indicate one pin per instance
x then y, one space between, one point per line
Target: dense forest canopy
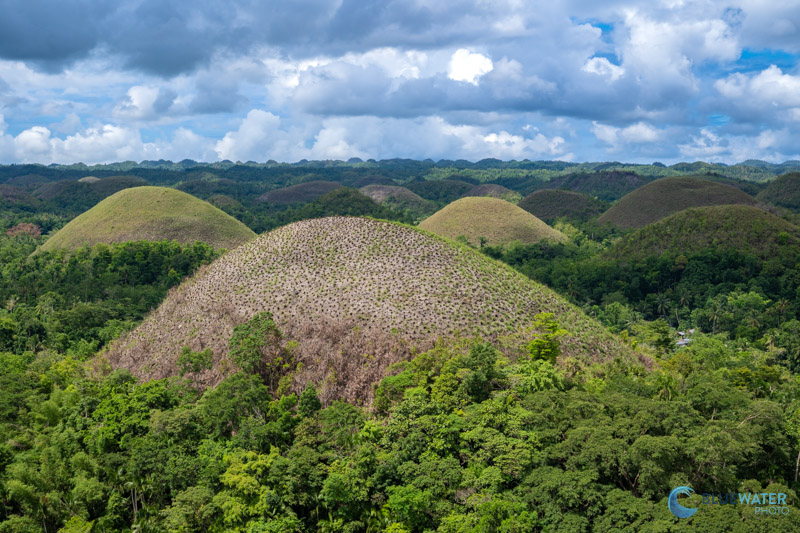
459 438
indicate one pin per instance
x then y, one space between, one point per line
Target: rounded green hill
783 191
498 221
693 230
356 295
661 198
151 213
551 204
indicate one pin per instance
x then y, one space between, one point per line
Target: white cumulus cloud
603 67
468 66
770 86
639 133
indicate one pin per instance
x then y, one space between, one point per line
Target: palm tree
717 308
662 304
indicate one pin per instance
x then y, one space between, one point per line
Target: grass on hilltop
151 213
663 197
497 221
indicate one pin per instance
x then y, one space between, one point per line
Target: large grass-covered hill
741 227
356 295
151 213
551 204
663 197
496 220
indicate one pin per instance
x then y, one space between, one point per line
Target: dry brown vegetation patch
357 295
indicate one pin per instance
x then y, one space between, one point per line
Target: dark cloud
167 37
50 34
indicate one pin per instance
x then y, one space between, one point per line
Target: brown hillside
663 197
357 295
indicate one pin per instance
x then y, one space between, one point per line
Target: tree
193 362
309 403
256 347
546 345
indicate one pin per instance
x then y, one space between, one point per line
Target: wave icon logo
677 509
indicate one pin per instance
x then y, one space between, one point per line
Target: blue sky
663 80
